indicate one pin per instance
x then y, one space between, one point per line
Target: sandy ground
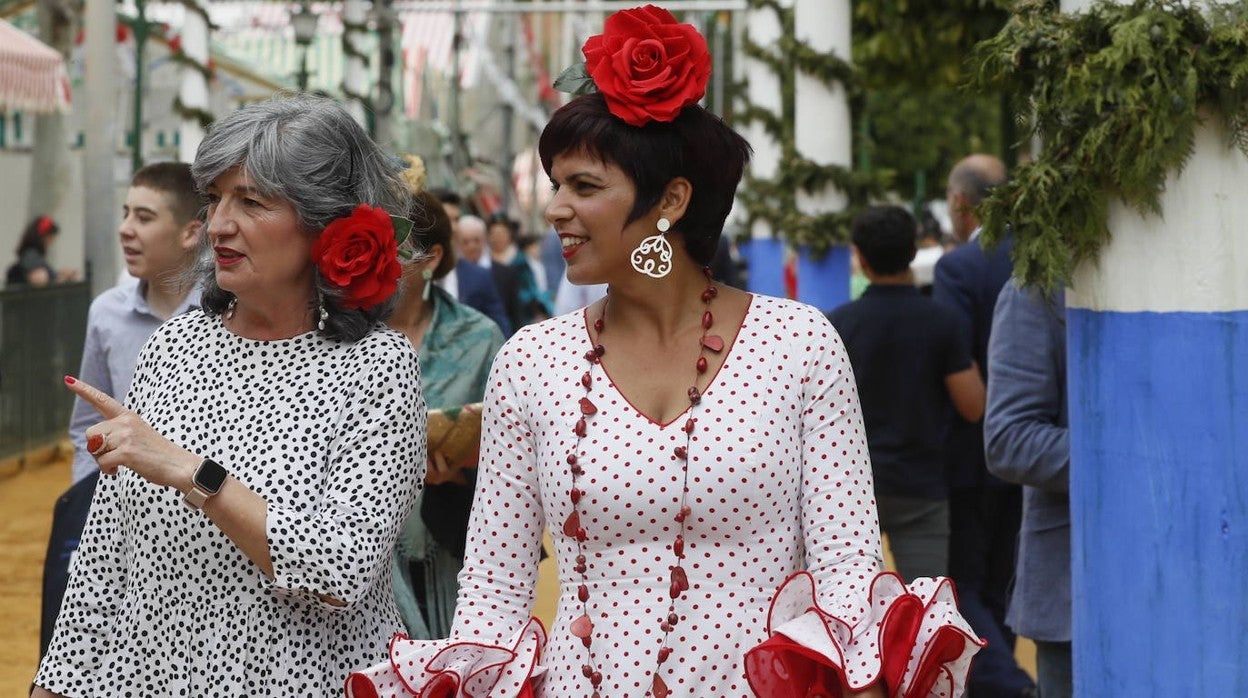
27 495
26 498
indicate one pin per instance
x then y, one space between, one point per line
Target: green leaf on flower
575 80
402 228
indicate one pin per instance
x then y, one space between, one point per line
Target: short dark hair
886 238
174 180
696 145
431 226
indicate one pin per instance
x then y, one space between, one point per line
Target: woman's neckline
710 385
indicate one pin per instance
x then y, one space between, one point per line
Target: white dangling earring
320 323
229 309
653 257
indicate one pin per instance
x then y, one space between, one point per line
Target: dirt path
26 499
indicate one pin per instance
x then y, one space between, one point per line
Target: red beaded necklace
583 626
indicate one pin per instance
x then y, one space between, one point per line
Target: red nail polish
69 380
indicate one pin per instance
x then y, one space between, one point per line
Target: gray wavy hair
309 151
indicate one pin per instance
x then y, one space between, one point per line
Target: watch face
210 476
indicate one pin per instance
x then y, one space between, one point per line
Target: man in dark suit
470 247
468 282
984 511
476 288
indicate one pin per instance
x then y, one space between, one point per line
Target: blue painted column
1158 370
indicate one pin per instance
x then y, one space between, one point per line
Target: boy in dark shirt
912 362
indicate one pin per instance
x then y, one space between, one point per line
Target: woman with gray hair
271 443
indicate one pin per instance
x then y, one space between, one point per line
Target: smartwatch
208 479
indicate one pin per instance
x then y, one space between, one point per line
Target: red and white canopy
32 74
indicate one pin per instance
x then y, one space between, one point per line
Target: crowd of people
321 437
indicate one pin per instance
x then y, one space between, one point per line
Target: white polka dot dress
779 480
331 435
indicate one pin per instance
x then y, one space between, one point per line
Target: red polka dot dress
779 481
778 471
162 603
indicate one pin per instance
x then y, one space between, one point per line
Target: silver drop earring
324 314
229 309
653 256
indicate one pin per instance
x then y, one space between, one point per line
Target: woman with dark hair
456 345
271 445
695 452
32 267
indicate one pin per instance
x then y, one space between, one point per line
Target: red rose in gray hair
358 254
648 65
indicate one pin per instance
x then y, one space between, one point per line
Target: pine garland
1116 95
774 200
203 116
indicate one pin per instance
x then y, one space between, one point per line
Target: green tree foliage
1117 94
912 58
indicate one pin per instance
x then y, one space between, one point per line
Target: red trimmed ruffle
911 638
454 668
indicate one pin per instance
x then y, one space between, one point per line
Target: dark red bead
575 495
599 350
695 396
596 679
571 524
674 590
587 670
591 357
701 365
587 380
665 627
690 424
588 407
680 452
571 459
673 619
587 640
579 429
599 324
679 546
707 320
679 578
582 593
581 535
664 653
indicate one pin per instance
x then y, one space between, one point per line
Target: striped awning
32 74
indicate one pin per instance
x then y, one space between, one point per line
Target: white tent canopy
32 74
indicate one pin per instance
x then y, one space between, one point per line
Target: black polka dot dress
332 436
779 478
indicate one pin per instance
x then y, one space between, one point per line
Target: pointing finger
102 402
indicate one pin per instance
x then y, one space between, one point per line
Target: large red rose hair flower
648 65
359 254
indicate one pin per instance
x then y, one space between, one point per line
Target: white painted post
1157 331
355 74
193 90
100 149
763 252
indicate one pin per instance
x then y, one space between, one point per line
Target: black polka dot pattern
779 476
332 436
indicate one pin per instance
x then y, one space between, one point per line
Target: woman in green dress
456 345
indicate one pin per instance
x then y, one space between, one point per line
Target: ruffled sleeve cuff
452 668
911 638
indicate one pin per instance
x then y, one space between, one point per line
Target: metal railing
41 336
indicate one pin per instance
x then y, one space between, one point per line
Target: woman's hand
125 439
439 472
